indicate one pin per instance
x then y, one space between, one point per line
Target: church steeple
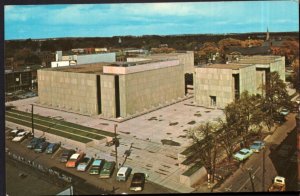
268 35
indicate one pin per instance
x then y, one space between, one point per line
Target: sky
106 20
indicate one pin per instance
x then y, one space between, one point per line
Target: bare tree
205 145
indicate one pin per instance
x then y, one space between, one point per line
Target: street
275 164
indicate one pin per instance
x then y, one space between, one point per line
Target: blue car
257 146
243 154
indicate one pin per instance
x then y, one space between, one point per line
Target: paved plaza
142 136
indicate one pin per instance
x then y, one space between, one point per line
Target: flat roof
258 59
75 156
226 66
96 68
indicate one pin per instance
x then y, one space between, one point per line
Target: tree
205 145
276 98
227 138
242 118
296 74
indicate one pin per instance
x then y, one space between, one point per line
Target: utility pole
116 143
32 125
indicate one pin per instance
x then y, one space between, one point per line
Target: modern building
81 59
217 85
112 90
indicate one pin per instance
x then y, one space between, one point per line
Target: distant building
217 85
112 89
76 59
18 80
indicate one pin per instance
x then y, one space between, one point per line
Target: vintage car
243 154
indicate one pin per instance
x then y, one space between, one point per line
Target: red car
75 159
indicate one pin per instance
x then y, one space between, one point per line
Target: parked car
85 163
298 100
257 146
284 111
285 150
107 170
34 142
41 147
137 182
243 154
75 159
96 166
66 154
20 136
52 147
123 173
13 133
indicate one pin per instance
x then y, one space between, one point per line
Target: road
106 184
240 181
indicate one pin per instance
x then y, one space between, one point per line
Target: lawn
57 127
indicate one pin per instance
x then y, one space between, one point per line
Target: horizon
209 34
141 19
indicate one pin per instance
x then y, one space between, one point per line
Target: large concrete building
217 85
112 90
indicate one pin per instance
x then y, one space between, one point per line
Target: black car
66 154
137 182
52 147
41 147
34 142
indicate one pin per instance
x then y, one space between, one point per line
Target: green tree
243 115
276 97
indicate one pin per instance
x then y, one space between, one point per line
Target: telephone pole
32 125
116 145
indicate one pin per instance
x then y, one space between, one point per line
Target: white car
284 112
20 137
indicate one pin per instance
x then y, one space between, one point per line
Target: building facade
217 85
112 90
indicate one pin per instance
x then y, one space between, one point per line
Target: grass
52 131
57 127
193 169
64 123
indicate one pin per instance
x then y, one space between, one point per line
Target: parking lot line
55 153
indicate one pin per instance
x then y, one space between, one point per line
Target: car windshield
243 152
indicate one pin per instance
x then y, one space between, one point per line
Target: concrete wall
108 100
279 66
95 58
145 90
248 79
75 92
260 81
213 82
199 175
187 59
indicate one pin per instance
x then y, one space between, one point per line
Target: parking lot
144 134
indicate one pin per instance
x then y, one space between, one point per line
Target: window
213 101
